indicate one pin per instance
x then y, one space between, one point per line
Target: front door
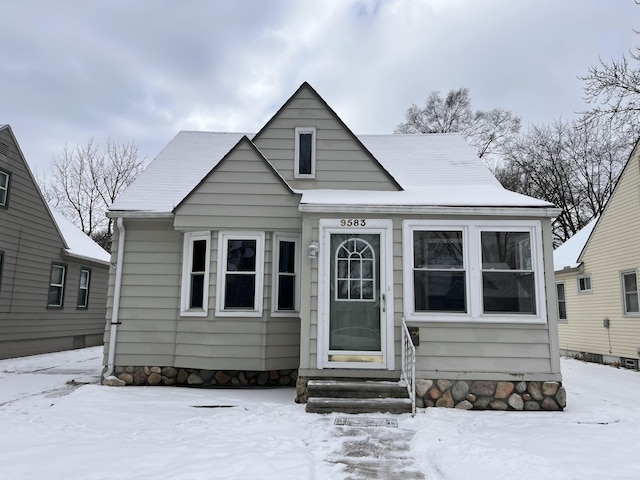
355 321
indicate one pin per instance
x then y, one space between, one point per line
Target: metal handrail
409 365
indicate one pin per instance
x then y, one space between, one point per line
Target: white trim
384 228
625 313
223 236
538 212
586 290
296 164
296 239
185 288
472 255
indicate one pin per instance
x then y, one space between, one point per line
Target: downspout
116 301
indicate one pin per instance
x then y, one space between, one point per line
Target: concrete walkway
374 448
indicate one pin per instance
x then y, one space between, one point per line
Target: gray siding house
306 254
53 278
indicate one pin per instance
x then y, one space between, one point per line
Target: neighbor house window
439 271
305 152
508 282
83 289
630 293
195 274
584 284
56 285
562 302
473 271
240 274
5 180
286 278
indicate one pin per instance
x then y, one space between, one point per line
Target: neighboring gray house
53 277
297 254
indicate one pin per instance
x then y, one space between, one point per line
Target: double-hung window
240 274
56 285
473 271
439 276
83 289
305 152
562 301
194 299
5 181
286 277
630 293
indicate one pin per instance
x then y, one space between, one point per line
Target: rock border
144 375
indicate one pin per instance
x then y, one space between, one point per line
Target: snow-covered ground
56 422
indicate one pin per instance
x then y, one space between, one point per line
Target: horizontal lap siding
31 242
150 293
612 248
341 163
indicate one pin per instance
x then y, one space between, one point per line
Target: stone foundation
136 375
490 395
479 394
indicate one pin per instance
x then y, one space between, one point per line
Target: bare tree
488 132
574 165
87 179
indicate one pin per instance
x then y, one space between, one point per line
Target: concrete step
358 405
357 389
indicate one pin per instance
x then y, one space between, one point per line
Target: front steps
357 396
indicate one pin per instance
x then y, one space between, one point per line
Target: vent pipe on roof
113 333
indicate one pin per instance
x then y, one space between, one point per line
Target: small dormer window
305 157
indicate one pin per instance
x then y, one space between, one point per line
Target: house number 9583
353 222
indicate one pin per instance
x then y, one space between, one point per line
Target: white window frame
4 188
625 311
85 288
584 278
223 238
60 285
296 165
564 300
185 291
472 255
296 240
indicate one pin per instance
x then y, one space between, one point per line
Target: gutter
115 309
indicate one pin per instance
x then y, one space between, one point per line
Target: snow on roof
177 169
427 167
79 243
567 254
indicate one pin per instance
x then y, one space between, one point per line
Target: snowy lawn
54 426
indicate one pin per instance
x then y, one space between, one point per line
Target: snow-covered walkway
56 422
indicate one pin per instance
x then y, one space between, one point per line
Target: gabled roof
568 254
77 243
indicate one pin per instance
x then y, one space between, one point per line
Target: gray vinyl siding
447 350
31 242
341 162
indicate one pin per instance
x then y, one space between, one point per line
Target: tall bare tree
487 131
86 179
574 165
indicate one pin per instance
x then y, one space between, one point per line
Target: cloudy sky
143 70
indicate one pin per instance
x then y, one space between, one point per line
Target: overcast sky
143 70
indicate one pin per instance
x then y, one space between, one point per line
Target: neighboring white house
295 254
596 274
